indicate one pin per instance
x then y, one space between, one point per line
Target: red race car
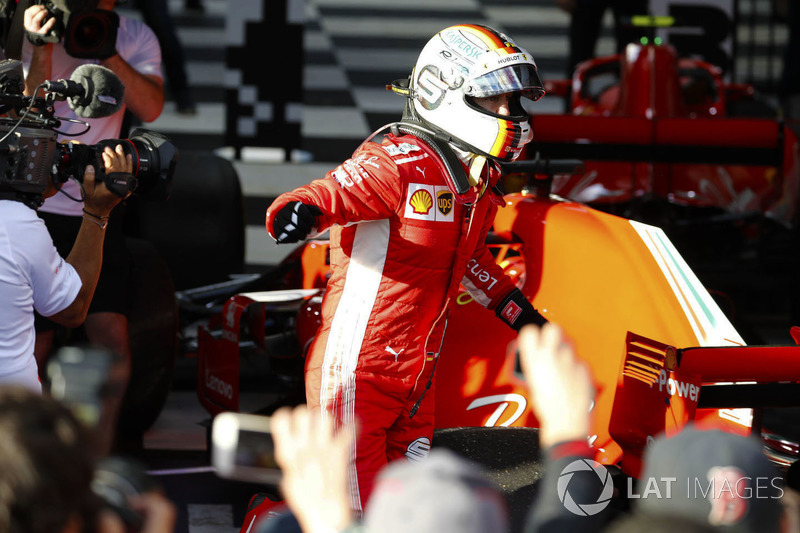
655 127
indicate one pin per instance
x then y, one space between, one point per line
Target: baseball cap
443 492
714 477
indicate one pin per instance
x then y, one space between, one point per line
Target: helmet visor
519 78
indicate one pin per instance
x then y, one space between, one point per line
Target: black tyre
153 323
199 230
509 454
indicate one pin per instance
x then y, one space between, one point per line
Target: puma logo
395 354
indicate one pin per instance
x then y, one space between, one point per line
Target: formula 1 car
652 126
662 352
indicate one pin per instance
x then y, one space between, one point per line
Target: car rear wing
745 376
724 141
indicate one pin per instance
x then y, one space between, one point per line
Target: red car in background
666 141
653 127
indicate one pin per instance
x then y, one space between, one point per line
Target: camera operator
34 276
46 473
137 63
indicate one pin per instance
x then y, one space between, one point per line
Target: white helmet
469 61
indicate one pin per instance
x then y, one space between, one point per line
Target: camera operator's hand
98 200
41 64
36 20
116 160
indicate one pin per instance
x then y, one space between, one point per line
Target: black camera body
32 159
154 159
88 32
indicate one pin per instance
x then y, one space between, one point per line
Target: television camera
88 32
31 158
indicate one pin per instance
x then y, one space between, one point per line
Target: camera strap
16 31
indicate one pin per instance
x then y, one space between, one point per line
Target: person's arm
561 393
86 256
42 59
559 384
314 464
144 93
488 284
365 187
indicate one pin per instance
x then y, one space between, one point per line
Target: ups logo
444 202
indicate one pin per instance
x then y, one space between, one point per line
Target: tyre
199 230
153 326
509 454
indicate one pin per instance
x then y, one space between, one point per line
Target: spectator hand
314 463
294 222
559 384
159 515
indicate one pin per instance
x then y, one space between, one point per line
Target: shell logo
421 201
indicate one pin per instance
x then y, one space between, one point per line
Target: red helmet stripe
490 38
503 140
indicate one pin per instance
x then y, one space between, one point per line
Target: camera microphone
92 91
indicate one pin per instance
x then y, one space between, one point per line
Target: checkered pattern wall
264 74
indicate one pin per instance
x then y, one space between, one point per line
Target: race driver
408 216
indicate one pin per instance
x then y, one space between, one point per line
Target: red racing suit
400 246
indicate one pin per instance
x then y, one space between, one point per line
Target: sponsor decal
444 201
401 149
421 202
352 172
503 401
674 386
395 354
482 276
457 41
230 317
343 178
419 449
364 160
215 384
510 59
511 312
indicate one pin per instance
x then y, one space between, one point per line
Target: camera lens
90 32
154 159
